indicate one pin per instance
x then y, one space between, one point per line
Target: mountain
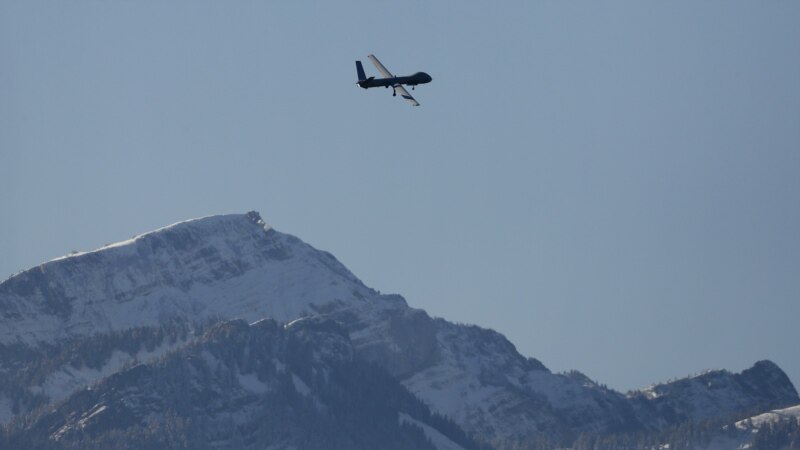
703 396
241 386
80 319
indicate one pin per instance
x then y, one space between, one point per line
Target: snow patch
59 384
250 382
440 441
300 386
66 380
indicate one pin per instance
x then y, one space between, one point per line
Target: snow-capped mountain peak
230 265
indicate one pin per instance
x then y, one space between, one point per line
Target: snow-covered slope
749 433
228 266
771 417
235 266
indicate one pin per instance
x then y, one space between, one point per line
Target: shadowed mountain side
243 387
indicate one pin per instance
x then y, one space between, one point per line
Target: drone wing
404 93
380 67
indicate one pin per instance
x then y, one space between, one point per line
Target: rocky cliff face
80 319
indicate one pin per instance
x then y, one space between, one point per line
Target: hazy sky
615 187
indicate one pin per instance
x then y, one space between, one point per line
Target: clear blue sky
615 187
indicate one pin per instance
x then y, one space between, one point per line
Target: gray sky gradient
615 187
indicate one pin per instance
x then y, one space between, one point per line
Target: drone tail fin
360 69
